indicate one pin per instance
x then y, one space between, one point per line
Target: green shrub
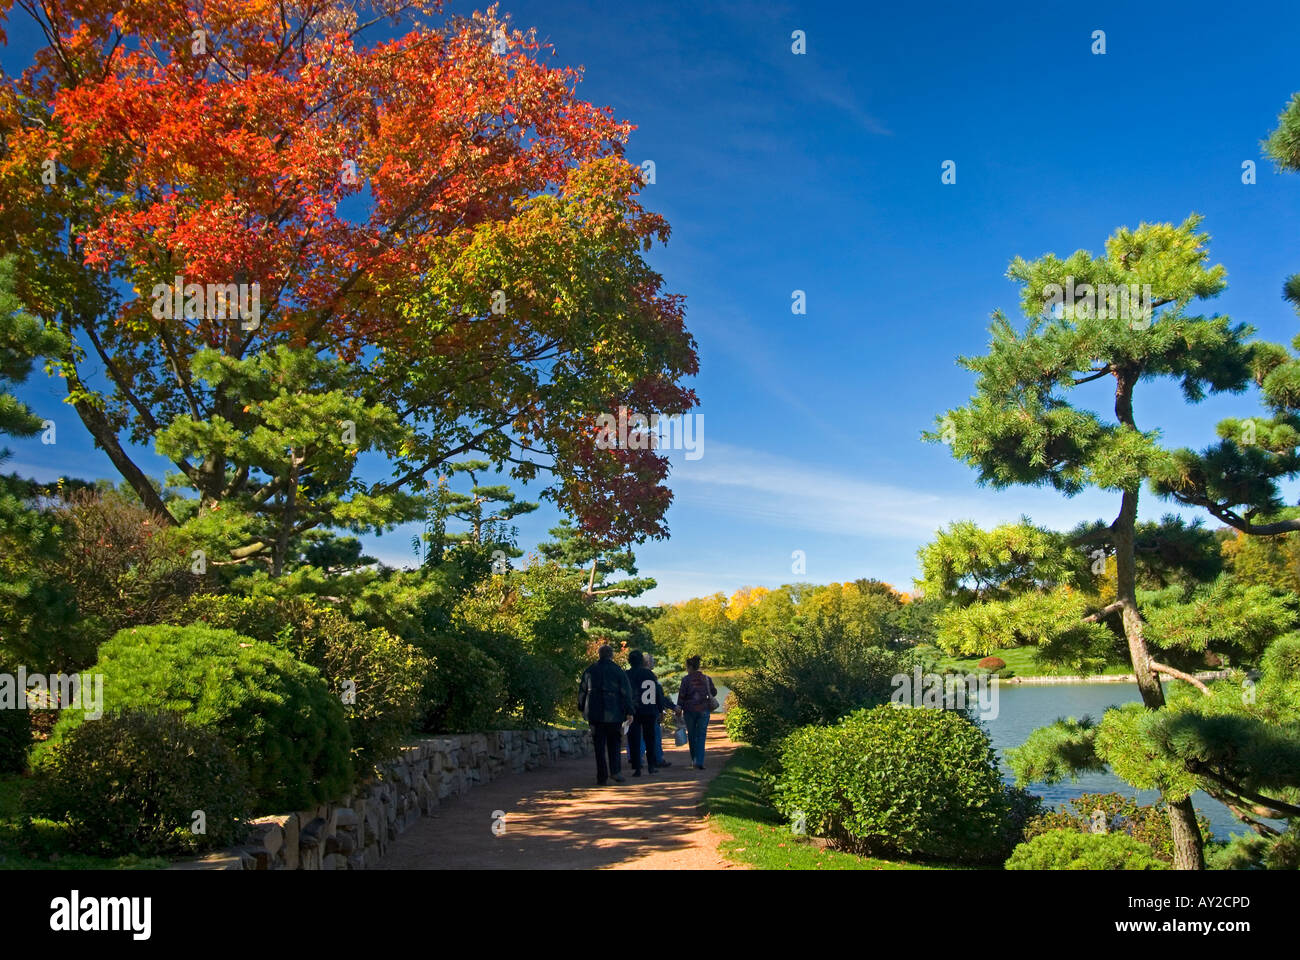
15 726
108 563
814 677
274 712
902 781
532 686
1074 850
530 622
1148 824
466 689
1253 852
132 781
15 738
736 722
1241 852
382 675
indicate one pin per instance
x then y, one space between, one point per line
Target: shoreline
1105 678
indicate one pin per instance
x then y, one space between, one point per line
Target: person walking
698 698
668 705
648 703
605 700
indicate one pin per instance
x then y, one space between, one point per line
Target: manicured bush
466 689
816 676
274 712
133 782
1148 824
1075 850
992 664
381 675
902 781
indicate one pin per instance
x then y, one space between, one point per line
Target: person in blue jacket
659 733
648 703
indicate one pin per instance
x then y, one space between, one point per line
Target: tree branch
1277 809
1222 512
1162 668
1104 612
1096 375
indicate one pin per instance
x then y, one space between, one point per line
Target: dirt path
558 819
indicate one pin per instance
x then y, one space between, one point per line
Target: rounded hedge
376 676
274 712
135 781
901 781
992 664
1075 850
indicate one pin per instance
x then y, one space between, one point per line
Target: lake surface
1024 707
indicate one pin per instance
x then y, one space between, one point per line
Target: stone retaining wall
355 832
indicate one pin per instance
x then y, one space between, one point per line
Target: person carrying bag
698 697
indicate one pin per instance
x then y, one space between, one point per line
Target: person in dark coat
605 699
648 702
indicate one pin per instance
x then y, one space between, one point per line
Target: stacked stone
354 833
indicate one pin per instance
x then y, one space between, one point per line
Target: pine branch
1104 612
1276 809
1096 375
1161 668
1236 521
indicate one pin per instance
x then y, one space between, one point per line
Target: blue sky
821 173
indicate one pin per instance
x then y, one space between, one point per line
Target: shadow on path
558 819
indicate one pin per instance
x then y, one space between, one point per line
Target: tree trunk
106 438
1189 848
288 515
1188 845
1123 537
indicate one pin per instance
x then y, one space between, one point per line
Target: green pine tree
1025 426
487 510
23 339
292 423
609 616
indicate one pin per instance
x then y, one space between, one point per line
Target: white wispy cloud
757 506
780 491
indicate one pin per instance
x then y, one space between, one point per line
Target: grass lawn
1020 659
760 837
13 857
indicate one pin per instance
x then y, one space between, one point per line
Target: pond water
1024 707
